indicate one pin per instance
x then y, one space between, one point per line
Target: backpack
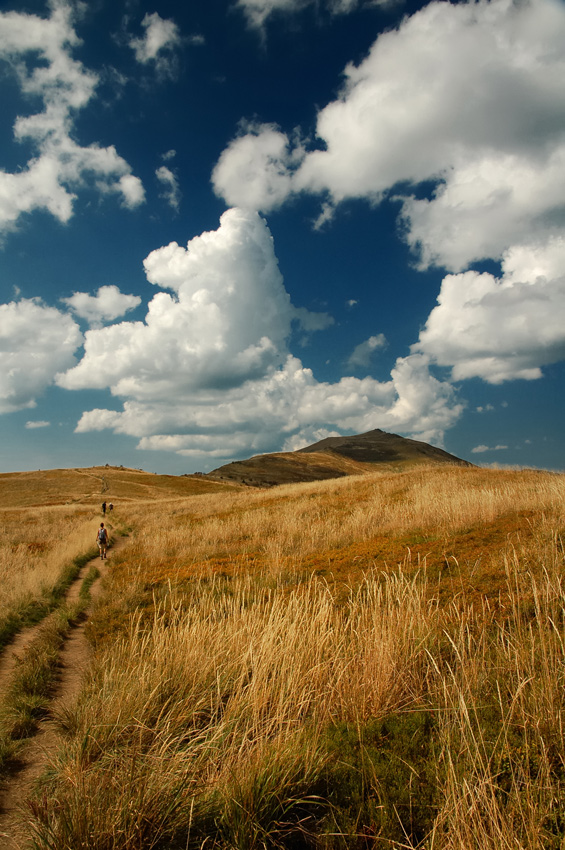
102 535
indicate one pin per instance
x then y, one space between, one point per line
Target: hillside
226 684
334 457
93 485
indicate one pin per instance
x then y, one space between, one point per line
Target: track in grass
74 655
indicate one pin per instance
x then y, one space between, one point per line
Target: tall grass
227 699
238 716
262 706
38 557
309 524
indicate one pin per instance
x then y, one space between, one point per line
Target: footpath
16 785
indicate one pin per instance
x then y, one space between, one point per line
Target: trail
74 658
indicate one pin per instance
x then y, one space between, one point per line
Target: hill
334 457
96 484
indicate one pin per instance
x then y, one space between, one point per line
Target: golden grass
451 519
252 648
35 546
221 701
93 485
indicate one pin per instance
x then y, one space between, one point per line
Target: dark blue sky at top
358 268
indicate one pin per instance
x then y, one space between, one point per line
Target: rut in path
74 656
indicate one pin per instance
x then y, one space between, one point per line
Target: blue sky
240 226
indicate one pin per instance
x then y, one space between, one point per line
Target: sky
231 227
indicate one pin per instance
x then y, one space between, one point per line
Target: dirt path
74 658
15 649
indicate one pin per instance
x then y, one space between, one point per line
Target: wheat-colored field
372 662
35 546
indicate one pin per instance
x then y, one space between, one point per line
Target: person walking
102 540
103 507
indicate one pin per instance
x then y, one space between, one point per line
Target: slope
93 485
335 457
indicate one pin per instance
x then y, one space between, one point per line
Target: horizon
243 226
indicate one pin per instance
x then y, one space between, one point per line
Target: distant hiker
111 507
102 540
103 507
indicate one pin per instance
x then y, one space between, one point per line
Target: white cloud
158 43
210 371
362 353
308 437
131 189
171 190
255 170
39 52
211 333
36 423
258 11
107 305
482 449
250 418
36 342
470 95
501 328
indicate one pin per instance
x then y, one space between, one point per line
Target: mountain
334 457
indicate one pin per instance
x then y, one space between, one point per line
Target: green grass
381 781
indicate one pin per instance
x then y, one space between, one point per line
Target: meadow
38 552
368 662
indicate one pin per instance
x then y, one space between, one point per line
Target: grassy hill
374 661
96 484
335 457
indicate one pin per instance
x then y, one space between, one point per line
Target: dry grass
361 663
35 546
452 519
93 485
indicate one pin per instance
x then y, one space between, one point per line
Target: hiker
111 507
103 507
102 540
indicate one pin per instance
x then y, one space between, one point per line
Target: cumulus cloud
170 183
227 321
32 424
39 53
107 305
362 353
468 98
471 96
36 342
250 418
209 371
501 328
158 43
255 171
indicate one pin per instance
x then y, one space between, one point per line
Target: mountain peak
335 457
